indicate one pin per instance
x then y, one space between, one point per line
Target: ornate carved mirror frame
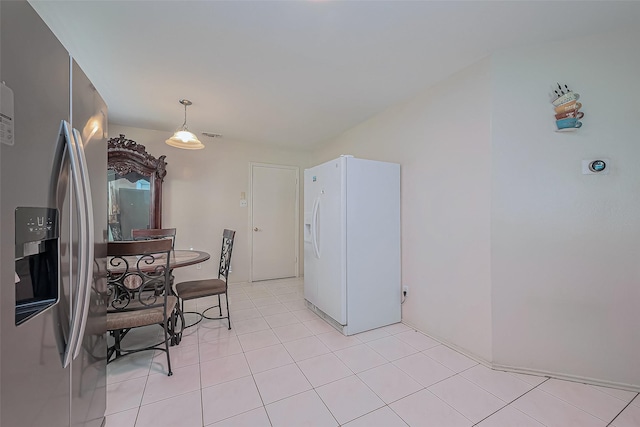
126 156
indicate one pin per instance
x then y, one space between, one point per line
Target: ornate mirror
135 188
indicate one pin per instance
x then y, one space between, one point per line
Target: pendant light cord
184 125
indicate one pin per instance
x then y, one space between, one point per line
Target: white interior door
274 221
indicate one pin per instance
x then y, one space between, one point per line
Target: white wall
511 254
566 246
201 194
442 141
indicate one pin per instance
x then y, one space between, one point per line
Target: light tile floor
281 365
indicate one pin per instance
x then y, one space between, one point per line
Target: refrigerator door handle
76 179
314 227
84 286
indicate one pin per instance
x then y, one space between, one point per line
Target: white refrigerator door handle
76 318
84 286
314 227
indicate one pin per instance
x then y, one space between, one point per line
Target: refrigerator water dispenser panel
307 226
36 261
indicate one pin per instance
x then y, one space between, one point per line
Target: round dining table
183 258
177 258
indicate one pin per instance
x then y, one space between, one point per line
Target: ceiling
296 73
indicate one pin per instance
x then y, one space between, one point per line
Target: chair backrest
225 254
139 273
154 233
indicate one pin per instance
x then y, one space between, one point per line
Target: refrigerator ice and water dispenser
36 261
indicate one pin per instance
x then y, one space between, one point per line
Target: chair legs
115 348
117 337
200 317
203 315
166 343
176 336
228 314
169 336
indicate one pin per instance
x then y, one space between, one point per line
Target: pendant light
183 138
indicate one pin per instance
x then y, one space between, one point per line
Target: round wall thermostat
597 165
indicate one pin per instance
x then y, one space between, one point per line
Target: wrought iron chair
140 294
155 233
211 287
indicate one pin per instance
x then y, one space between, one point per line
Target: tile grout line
200 376
621 411
313 388
577 407
447 403
264 406
224 382
251 373
410 394
492 394
510 403
143 390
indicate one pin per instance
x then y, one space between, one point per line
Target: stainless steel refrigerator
53 253
352 243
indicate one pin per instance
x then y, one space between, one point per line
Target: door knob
256 229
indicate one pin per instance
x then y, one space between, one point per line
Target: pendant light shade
183 138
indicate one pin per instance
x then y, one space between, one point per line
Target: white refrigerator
352 243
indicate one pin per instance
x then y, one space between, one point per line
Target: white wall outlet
405 289
243 203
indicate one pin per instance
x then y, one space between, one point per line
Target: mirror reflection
129 197
134 179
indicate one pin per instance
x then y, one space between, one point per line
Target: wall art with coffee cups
567 108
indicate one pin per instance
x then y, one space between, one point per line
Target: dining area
141 291
212 366
142 257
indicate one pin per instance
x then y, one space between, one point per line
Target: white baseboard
568 377
540 373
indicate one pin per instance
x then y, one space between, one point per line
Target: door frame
296 213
